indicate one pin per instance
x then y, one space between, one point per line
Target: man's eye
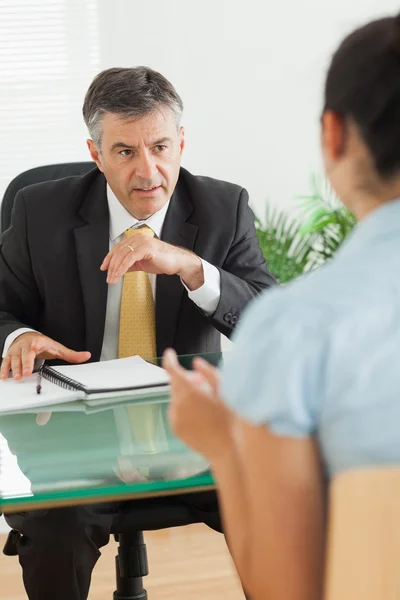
160 148
126 152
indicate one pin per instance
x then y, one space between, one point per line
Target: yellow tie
137 336
137 331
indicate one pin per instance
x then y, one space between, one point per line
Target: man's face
140 159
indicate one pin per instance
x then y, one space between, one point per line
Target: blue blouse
321 356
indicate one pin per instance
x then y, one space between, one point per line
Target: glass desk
122 451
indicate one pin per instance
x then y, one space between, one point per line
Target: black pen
39 381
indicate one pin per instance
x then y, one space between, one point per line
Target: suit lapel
92 245
169 289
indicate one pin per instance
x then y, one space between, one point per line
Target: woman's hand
197 414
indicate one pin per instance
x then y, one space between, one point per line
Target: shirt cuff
207 296
13 336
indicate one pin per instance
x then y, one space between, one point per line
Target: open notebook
90 382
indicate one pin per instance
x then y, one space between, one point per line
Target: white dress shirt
206 297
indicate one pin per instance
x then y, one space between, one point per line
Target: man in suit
136 256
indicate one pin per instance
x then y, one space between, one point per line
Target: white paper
19 395
131 372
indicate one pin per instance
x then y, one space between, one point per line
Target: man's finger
113 268
16 366
121 263
5 367
125 265
47 348
42 418
113 255
28 361
106 262
40 344
71 356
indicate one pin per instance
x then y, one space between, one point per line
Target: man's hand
143 253
20 358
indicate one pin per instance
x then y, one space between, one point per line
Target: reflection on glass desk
121 450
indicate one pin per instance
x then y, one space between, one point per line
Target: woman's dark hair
363 84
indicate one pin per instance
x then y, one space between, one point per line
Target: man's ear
95 154
181 139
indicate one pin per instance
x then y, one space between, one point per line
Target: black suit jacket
50 256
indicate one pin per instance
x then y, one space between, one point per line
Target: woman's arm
272 501
270 488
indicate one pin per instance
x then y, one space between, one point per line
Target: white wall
250 73
48 55
251 76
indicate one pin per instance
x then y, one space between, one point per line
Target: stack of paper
100 383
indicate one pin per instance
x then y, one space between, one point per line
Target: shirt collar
381 223
121 219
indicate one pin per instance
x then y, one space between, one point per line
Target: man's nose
145 167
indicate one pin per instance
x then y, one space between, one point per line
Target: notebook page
18 395
115 374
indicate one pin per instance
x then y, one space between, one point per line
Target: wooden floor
190 563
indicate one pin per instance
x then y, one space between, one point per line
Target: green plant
325 215
288 251
294 246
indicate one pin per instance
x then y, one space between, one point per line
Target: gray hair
130 93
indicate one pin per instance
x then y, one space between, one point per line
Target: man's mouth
147 189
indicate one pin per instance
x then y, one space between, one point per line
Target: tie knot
145 229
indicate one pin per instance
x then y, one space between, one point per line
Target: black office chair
37 175
146 515
131 561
